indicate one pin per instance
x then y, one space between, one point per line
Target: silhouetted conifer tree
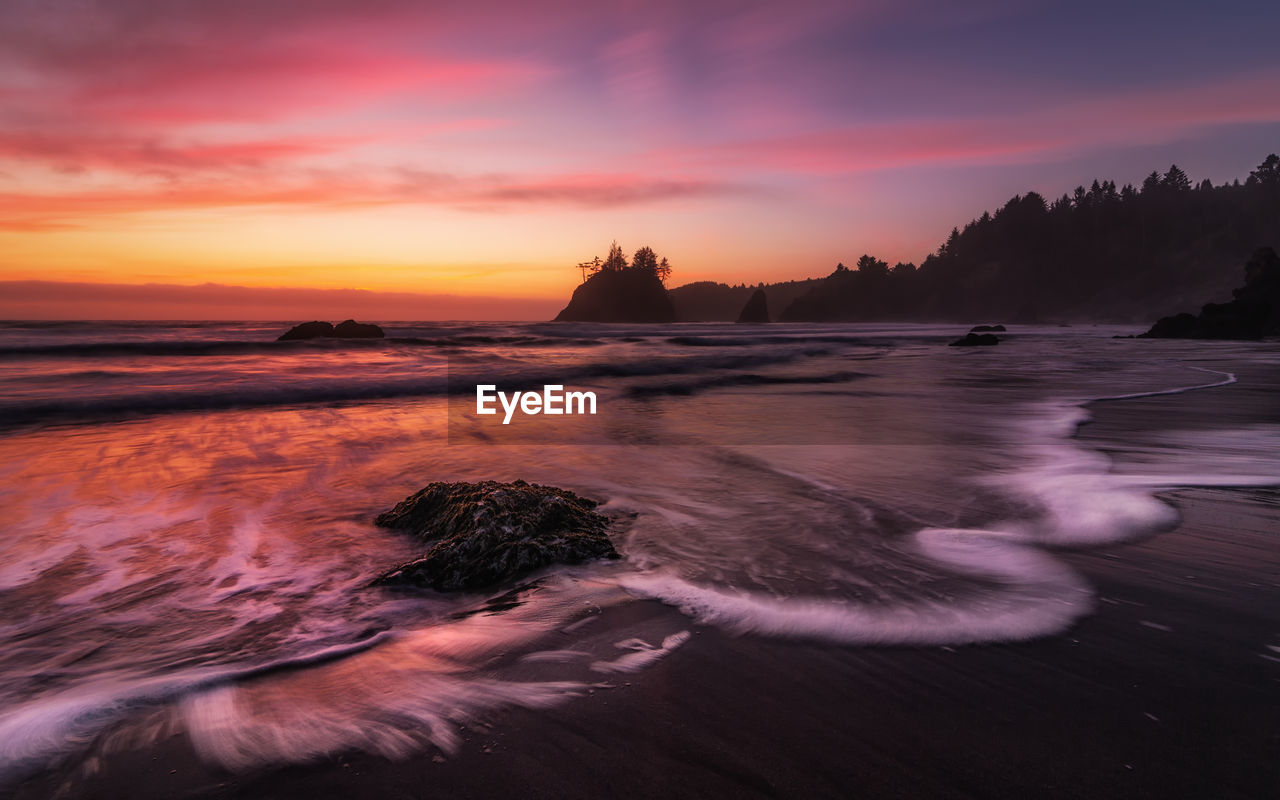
617 260
645 260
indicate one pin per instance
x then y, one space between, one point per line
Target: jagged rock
976 340
987 329
756 309
626 295
1253 314
350 329
307 330
488 532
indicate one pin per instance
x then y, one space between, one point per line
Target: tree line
1102 252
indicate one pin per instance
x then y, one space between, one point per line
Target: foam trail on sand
424 684
33 735
1038 596
644 653
1086 503
1083 503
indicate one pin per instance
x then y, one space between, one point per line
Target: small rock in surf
307 330
489 532
350 329
976 340
347 329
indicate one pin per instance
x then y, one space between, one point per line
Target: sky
247 159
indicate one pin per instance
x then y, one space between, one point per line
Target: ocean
188 542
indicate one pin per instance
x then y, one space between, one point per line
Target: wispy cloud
1044 130
320 190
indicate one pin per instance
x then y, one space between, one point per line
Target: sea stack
625 295
756 309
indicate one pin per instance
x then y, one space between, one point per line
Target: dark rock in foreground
307 330
987 329
976 340
350 329
625 295
756 309
489 532
1253 314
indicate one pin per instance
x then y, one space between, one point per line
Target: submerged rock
976 340
488 532
756 309
307 330
350 329
987 329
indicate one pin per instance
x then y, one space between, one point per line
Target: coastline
1167 689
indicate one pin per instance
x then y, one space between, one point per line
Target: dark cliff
1252 314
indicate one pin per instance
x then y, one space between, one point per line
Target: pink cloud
1036 133
329 190
596 190
139 153
127 62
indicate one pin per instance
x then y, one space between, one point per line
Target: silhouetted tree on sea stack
616 260
646 260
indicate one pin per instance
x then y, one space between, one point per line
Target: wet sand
1170 689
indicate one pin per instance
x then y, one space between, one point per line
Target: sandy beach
1170 689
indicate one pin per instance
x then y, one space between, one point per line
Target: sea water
188 539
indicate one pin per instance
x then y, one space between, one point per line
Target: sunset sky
478 150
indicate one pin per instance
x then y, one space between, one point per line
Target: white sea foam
1087 503
1083 502
643 655
408 705
1038 596
34 734
393 700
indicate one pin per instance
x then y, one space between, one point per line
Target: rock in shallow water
347 329
307 330
350 329
977 340
488 532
